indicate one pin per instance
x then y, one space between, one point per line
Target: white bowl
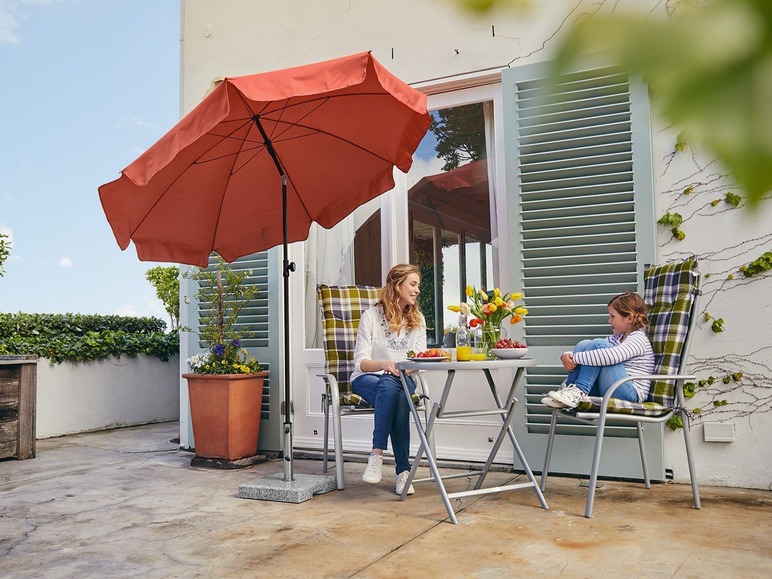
509 353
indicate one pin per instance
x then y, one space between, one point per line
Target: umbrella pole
288 267
287 490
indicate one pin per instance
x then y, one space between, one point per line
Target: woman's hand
386 366
390 368
567 359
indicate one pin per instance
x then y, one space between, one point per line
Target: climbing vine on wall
733 385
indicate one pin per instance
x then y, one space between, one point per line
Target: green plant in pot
226 383
225 294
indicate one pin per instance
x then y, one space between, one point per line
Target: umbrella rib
318 103
196 162
259 145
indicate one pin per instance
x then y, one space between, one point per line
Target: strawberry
506 343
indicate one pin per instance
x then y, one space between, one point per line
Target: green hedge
85 338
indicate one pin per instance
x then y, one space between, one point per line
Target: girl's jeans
392 413
596 380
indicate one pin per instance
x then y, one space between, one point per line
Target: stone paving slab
128 503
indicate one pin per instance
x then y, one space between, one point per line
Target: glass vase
490 335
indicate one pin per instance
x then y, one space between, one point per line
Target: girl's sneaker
550 403
570 396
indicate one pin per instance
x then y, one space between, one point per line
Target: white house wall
431 39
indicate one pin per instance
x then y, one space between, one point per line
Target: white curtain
329 260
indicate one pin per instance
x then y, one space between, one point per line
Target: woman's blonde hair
390 299
631 304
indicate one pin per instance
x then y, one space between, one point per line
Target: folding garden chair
341 308
671 292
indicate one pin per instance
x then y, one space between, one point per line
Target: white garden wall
113 393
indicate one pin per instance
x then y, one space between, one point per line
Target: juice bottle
463 342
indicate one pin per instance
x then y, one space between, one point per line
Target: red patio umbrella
261 158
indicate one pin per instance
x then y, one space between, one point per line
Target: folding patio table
504 408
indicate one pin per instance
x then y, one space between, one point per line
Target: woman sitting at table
387 332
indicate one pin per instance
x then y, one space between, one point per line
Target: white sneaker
373 473
401 480
570 396
550 403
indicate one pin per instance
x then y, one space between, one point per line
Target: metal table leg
506 428
424 447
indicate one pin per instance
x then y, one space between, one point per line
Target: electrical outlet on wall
718 432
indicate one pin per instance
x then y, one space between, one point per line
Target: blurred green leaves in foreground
708 64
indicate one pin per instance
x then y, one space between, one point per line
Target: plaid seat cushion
618 406
355 400
670 290
341 307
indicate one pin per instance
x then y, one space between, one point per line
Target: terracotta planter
225 411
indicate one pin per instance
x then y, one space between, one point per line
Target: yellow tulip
469 291
498 301
456 309
521 311
516 296
496 292
483 295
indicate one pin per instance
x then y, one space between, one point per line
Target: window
449 211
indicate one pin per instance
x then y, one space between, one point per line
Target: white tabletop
423 364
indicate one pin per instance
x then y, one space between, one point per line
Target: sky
85 87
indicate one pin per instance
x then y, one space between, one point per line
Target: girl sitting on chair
594 365
387 332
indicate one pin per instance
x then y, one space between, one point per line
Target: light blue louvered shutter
254 318
581 210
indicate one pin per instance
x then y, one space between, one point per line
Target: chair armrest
332 385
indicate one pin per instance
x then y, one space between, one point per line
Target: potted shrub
225 385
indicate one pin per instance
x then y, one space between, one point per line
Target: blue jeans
596 380
392 413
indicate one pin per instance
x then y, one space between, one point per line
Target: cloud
8 25
65 262
423 167
9 10
132 120
148 306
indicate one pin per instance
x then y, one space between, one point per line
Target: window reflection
449 212
449 225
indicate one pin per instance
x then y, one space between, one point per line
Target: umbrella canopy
261 158
336 129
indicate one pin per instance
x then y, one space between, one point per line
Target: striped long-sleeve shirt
635 353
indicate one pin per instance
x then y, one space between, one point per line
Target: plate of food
507 349
430 355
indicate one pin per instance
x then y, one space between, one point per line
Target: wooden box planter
18 394
225 412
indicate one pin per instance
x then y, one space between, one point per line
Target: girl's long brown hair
631 304
390 299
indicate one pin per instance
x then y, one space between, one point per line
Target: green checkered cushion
670 290
341 308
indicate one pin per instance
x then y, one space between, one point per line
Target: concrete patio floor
127 502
